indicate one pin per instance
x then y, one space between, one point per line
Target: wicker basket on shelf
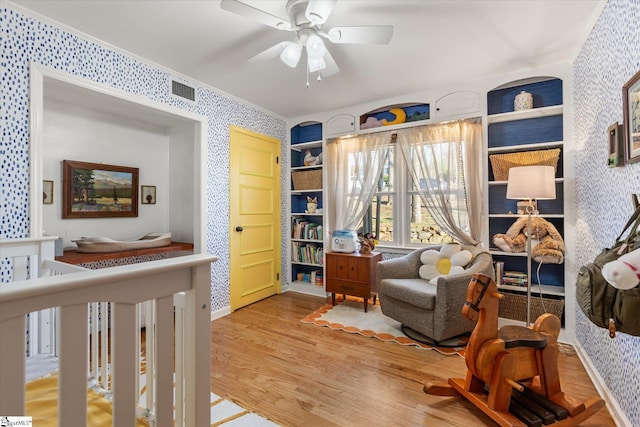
307 180
501 163
514 306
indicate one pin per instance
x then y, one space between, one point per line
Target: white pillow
451 259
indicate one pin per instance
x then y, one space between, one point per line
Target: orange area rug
349 316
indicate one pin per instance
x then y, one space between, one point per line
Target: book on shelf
308 253
510 273
515 278
303 229
499 270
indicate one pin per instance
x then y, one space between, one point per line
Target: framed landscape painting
96 190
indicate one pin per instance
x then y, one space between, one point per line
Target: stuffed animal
367 243
310 160
623 273
547 245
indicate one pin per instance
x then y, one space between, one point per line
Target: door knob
238 228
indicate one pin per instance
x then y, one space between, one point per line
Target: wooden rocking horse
513 369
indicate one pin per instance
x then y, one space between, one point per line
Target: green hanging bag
605 305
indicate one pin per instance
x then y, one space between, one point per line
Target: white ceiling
436 43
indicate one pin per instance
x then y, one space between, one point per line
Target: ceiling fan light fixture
291 54
318 11
315 47
316 64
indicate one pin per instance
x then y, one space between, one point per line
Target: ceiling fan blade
379 34
251 12
270 53
331 66
319 10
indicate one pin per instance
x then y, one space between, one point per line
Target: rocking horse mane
486 301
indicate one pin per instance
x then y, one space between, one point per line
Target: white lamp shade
291 54
531 182
316 65
315 47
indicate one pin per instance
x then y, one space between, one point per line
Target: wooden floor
296 374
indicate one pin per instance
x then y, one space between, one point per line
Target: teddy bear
547 245
623 273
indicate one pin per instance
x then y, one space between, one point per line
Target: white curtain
354 167
443 161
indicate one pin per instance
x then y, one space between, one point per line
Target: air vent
183 91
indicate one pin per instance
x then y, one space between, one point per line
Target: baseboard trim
614 408
220 313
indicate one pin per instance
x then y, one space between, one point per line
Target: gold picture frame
631 111
96 190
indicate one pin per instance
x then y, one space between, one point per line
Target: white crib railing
185 280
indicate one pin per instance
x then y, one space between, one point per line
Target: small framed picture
47 192
616 146
148 194
631 114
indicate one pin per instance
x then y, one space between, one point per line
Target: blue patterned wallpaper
26 40
609 58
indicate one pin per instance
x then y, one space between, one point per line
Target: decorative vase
523 101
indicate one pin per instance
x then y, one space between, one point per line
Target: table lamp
531 183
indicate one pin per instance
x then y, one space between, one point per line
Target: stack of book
308 253
302 229
514 278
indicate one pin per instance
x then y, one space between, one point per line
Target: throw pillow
450 259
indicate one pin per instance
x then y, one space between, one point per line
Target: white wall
73 132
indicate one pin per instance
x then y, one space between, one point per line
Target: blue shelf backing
387 116
545 94
528 131
297 157
550 274
499 204
306 133
299 202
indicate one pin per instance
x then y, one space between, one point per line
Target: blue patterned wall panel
528 131
26 40
546 94
609 57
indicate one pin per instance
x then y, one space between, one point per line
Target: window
379 217
444 162
398 218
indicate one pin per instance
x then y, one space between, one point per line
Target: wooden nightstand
352 274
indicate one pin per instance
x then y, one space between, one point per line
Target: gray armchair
434 311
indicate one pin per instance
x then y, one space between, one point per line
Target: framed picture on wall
148 194
96 190
631 111
47 192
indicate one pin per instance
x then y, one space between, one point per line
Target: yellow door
254 218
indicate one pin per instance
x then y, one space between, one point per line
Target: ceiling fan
306 18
